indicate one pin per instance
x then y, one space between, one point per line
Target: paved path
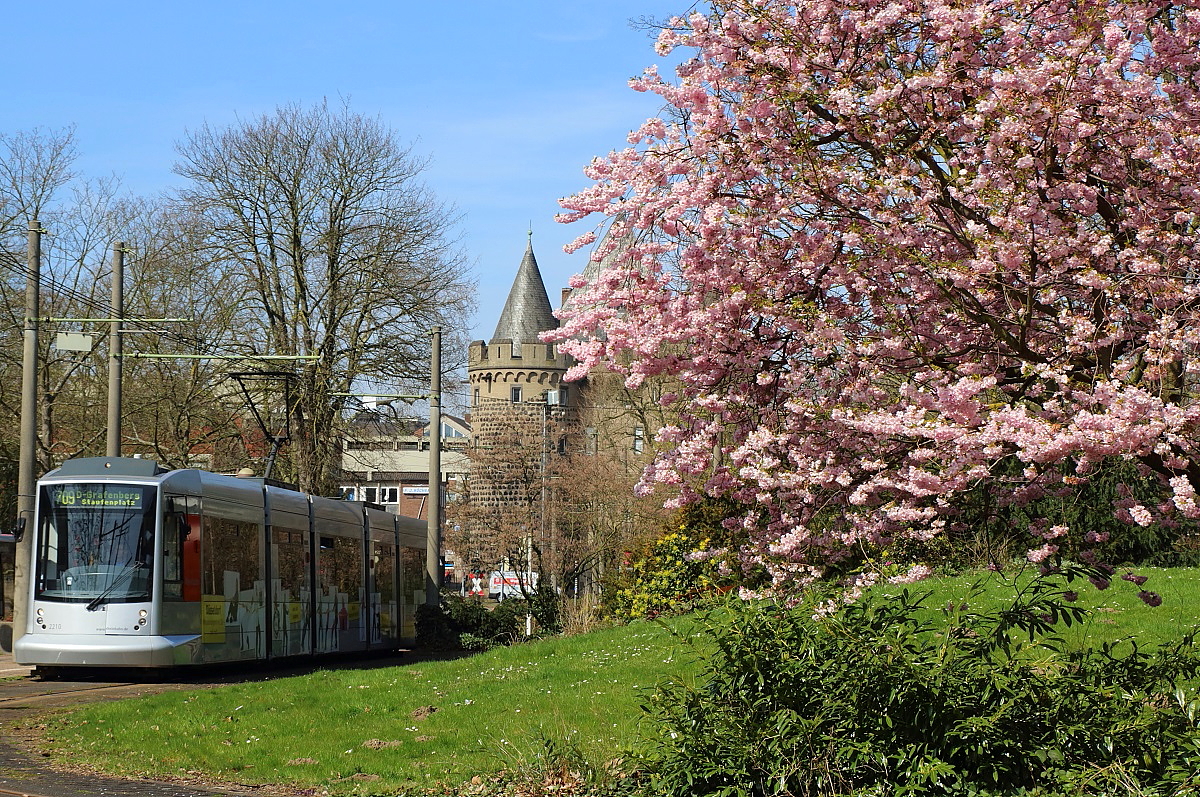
10 669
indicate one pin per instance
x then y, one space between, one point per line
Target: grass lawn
400 729
381 731
1113 614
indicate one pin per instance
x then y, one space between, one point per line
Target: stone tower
514 366
519 405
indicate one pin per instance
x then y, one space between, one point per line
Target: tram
134 565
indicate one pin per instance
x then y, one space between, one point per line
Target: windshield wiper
125 574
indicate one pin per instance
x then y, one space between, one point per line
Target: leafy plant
677 571
462 624
885 697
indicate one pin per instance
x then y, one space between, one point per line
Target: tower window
516 395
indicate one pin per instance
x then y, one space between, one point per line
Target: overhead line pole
114 350
433 539
27 466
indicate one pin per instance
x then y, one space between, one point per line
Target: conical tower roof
527 313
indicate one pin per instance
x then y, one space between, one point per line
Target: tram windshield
95 543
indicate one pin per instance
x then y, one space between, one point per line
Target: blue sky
508 100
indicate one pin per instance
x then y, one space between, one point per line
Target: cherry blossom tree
899 253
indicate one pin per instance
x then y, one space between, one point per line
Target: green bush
887 697
989 525
464 624
664 579
669 575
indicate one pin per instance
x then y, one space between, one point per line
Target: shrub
885 697
992 527
463 624
664 579
678 572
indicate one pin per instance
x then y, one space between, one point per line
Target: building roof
527 313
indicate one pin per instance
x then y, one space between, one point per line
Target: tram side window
412 578
232 560
291 559
181 549
340 566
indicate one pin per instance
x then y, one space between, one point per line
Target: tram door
412 587
383 607
338 528
291 620
234 619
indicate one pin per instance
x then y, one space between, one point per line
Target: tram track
47 695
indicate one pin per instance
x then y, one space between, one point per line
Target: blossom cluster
883 246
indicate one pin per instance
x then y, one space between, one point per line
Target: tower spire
527 312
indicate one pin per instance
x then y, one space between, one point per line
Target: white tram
137 566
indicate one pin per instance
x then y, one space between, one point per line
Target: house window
370 494
389 495
562 396
516 395
639 440
589 440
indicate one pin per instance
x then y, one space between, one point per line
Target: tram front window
95 543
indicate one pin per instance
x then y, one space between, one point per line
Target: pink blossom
912 575
923 285
1041 554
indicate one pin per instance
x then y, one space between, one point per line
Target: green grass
1113 614
367 732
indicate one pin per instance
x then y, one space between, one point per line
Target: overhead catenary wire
198 346
89 302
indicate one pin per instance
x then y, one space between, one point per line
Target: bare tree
317 221
34 167
81 218
553 488
499 512
183 411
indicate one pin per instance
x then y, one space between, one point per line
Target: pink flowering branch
886 248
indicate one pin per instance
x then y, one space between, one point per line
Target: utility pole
433 537
27 470
114 350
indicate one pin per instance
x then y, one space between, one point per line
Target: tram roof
114 466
